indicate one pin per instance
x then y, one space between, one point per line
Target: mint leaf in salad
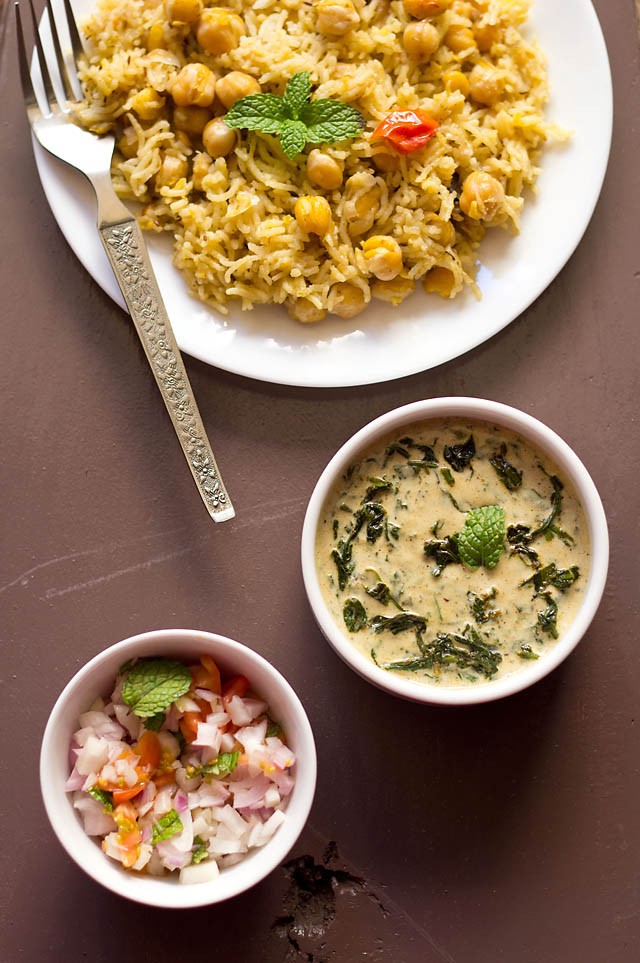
103 797
222 765
481 541
167 826
199 851
152 685
294 119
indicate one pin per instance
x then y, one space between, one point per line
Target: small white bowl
95 679
475 409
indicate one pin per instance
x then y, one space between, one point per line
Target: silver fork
122 239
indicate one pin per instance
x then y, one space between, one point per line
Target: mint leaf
297 94
296 121
222 765
293 137
199 851
154 723
101 796
167 826
263 112
481 541
331 120
151 686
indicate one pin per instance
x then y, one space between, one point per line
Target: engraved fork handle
127 252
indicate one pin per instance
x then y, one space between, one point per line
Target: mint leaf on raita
152 685
481 541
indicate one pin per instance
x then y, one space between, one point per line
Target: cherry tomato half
406 130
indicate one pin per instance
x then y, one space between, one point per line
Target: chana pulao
273 199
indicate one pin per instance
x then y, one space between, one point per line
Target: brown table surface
503 832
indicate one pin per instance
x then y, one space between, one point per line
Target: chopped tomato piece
406 130
237 686
124 795
189 725
206 675
149 750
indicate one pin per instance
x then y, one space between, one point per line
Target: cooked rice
235 235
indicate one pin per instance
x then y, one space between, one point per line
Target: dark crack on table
310 905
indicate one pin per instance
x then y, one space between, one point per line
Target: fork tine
42 61
62 65
76 42
25 77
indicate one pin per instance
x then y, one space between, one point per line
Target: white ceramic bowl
570 466
95 679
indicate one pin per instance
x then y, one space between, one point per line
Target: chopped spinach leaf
480 606
444 552
560 578
354 615
448 477
509 475
466 650
548 617
376 487
382 593
459 456
526 652
403 622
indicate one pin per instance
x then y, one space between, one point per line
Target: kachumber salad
180 770
453 553
318 154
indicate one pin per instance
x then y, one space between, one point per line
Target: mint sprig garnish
152 685
295 119
481 541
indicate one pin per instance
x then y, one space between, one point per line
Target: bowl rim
166 892
548 441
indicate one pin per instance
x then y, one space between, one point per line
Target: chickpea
155 37
194 86
313 215
335 18
305 311
201 167
218 139
362 197
191 120
486 84
147 103
486 35
219 30
455 81
442 231
324 171
128 143
183 11
421 40
234 86
348 300
426 9
171 170
393 291
482 197
382 256
459 38
439 280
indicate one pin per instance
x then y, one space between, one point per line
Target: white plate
383 343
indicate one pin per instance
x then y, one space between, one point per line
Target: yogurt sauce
387 544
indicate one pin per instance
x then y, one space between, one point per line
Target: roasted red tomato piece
406 130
